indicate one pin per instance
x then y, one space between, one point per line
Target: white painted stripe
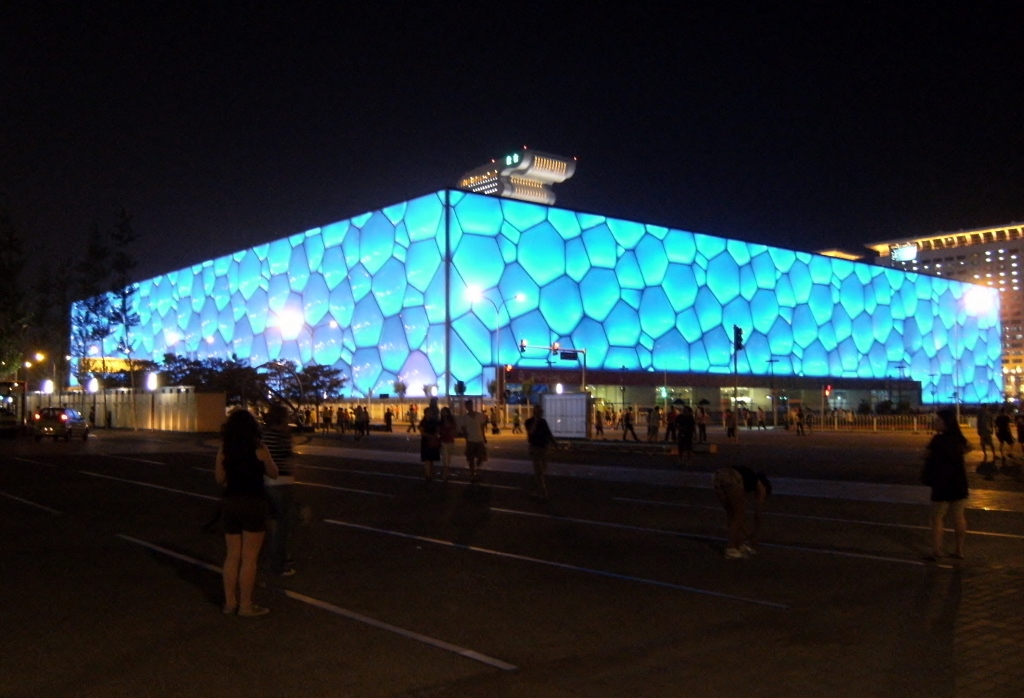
560 565
695 536
857 522
147 484
137 460
352 615
345 489
433 642
33 462
30 503
451 481
171 553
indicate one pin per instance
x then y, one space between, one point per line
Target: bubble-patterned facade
385 296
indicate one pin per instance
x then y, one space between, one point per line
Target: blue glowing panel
377 297
541 253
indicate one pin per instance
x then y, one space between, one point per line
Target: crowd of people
253 465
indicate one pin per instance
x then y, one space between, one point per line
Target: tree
400 389
91 313
321 383
122 263
15 316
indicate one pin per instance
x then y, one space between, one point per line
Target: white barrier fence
164 409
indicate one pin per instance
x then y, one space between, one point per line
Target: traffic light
508 368
522 346
828 390
737 337
554 348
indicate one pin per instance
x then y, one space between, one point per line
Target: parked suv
60 423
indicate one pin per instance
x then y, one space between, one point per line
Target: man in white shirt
473 426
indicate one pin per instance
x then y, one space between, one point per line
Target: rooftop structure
526 175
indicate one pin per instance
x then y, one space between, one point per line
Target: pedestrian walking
670 424
540 439
984 428
701 416
653 423
945 474
473 427
734 486
1003 434
729 417
430 439
447 430
277 436
242 461
627 424
598 424
495 421
328 418
760 418
389 418
517 422
686 426
799 421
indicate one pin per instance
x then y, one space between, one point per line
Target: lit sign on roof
903 253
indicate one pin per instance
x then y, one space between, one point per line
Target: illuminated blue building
385 296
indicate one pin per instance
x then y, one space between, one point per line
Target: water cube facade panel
386 296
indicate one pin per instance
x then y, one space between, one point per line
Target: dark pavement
615 587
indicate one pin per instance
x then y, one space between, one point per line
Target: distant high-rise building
526 175
987 256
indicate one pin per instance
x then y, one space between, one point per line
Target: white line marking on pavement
441 644
560 565
858 522
683 534
171 553
30 503
337 610
34 462
451 481
137 460
147 484
345 489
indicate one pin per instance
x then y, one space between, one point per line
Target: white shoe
748 550
734 554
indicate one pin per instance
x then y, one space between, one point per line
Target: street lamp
473 293
775 413
151 386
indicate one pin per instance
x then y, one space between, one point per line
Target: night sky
221 126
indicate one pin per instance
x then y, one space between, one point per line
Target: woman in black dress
944 472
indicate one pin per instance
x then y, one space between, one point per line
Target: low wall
179 409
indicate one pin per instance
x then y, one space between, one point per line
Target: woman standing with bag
241 464
430 439
944 472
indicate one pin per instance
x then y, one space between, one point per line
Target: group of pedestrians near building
254 467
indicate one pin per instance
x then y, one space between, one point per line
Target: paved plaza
615 587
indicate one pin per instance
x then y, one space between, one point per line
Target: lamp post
151 386
771 383
474 294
